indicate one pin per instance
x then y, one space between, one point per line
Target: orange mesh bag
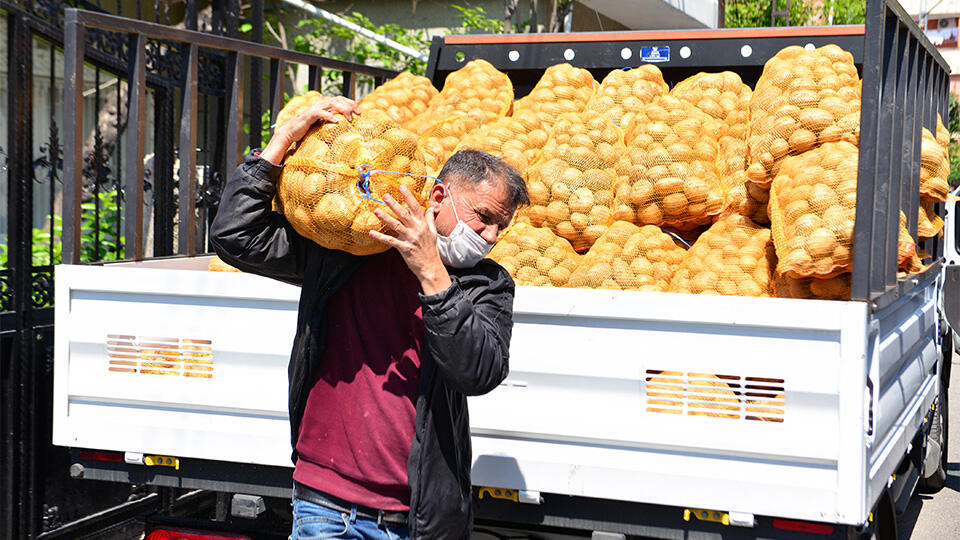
943 134
337 177
813 203
747 198
518 139
562 89
629 257
442 138
733 257
669 173
832 288
934 169
535 256
571 185
401 98
297 104
216 264
623 92
701 394
477 88
929 223
804 98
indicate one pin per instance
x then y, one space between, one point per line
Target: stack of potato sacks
708 188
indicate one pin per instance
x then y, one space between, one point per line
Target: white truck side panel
758 405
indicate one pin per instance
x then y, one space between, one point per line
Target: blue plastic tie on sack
676 236
363 184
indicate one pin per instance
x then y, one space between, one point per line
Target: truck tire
937 442
884 520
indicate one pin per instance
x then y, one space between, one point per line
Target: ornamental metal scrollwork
210 73
42 286
111 44
6 291
164 59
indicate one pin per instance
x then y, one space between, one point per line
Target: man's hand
294 130
416 241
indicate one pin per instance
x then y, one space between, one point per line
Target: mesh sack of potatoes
934 168
812 208
704 394
668 173
335 179
216 264
401 98
571 185
929 224
478 89
943 134
804 98
623 92
562 89
733 257
746 198
440 140
297 104
535 256
832 288
726 99
518 139
628 257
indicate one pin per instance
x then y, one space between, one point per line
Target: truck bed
793 408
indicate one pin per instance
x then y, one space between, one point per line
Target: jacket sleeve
248 234
469 327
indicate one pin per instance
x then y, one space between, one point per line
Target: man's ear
437 195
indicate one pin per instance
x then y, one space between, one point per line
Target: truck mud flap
951 295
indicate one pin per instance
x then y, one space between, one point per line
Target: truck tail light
99 455
187 534
802 526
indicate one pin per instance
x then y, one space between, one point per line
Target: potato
298 104
929 223
934 167
477 89
735 256
518 139
217 264
628 257
801 101
668 175
401 98
623 92
572 182
535 256
832 288
319 193
562 89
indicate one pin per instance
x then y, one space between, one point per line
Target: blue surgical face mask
463 247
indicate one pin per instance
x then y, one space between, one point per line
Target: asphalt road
937 516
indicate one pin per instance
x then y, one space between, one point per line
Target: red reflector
802 526
98 455
186 534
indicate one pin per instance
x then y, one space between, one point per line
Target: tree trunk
509 8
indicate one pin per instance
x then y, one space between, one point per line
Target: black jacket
467 326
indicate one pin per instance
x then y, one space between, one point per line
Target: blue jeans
314 522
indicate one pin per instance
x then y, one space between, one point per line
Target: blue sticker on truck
655 54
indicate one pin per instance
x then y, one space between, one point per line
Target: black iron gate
37 499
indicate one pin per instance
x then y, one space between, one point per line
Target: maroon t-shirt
358 424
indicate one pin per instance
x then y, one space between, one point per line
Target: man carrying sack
387 346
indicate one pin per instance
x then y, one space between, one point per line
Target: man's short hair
474 166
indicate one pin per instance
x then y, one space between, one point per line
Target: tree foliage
756 13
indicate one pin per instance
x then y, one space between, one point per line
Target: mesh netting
335 179
571 185
734 256
669 174
929 223
934 168
518 139
943 134
623 92
832 288
562 89
714 397
401 98
441 139
747 198
297 104
804 98
477 88
629 257
812 208
535 256
216 264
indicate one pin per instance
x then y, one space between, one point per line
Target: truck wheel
935 460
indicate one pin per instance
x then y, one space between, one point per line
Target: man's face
482 207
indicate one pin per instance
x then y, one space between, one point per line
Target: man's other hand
292 131
416 241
